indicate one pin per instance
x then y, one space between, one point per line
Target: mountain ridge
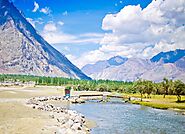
136 68
37 54
100 65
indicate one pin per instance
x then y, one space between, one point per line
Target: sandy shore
16 117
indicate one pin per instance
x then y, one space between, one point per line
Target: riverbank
157 101
66 121
17 117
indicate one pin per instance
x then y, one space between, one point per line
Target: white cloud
132 32
36 7
54 35
45 10
50 27
34 22
137 32
61 23
140 33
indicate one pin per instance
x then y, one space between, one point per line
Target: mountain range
24 51
165 64
101 65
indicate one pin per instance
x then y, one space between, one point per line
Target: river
124 118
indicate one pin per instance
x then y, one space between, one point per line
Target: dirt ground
17 118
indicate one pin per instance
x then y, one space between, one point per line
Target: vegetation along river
123 118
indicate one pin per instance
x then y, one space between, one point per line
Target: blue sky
88 28
83 16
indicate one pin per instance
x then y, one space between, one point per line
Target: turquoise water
124 118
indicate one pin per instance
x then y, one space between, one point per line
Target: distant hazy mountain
101 65
131 70
24 51
181 63
117 60
135 68
168 70
169 57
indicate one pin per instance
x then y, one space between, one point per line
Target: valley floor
16 117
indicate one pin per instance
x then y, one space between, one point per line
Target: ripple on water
131 119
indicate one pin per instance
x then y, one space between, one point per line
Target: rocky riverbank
67 121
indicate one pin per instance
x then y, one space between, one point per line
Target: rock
77 120
70 131
61 131
62 120
87 129
77 100
77 126
69 121
52 116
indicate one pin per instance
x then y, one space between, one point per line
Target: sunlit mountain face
24 51
165 64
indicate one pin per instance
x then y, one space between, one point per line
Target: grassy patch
160 105
157 101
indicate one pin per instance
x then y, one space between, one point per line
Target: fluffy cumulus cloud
137 32
36 7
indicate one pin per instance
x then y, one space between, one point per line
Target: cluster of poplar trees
166 87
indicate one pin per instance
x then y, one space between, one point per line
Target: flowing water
123 118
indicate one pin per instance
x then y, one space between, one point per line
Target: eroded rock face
24 51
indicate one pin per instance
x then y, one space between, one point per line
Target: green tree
140 87
149 87
166 86
102 88
179 89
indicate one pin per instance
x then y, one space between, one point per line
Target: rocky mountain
117 60
99 66
168 70
24 51
131 70
181 63
169 57
135 68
